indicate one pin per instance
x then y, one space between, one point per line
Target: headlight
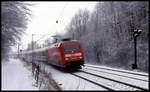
80 57
66 59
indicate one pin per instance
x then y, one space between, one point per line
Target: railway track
116 73
131 77
123 71
105 82
98 84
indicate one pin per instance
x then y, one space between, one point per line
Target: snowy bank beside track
16 77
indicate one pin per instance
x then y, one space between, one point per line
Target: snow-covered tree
15 16
107 38
77 25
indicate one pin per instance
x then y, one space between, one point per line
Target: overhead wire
60 15
62 10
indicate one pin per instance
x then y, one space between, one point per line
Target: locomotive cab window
72 47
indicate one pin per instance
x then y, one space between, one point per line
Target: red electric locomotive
63 54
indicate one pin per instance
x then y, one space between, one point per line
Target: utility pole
32 47
34 65
135 35
134 66
32 56
18 50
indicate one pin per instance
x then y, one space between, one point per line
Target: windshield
71 47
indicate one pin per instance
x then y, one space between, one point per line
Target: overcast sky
45 14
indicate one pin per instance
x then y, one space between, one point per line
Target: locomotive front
72 54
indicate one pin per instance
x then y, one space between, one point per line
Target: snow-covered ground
71 82
115 85
16 77
105 67
128 78
68 81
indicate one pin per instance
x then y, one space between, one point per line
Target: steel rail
118 75
134 86
109 89
118 70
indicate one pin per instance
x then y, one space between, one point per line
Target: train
64 54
